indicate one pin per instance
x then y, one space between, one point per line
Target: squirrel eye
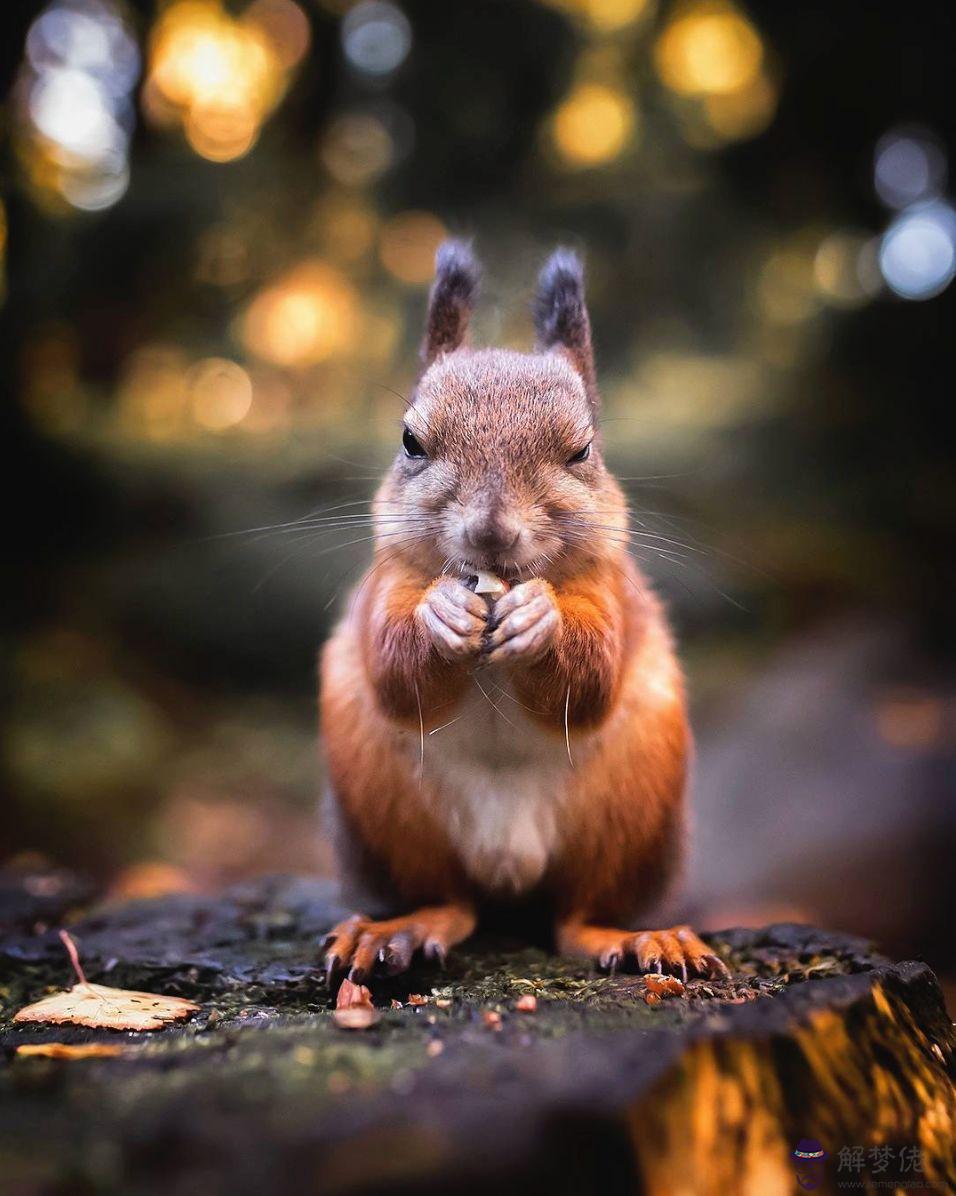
580 455
412 445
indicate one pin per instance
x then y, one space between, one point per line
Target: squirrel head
500 466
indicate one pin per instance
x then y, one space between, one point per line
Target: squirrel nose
492 534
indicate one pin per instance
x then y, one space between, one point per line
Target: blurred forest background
217 230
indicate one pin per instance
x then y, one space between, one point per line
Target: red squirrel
531 746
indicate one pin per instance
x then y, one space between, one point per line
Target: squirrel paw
678 950
454 618
359 943
526 624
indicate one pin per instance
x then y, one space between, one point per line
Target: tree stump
815 1042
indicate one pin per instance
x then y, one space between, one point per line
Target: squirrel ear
561 316
452 297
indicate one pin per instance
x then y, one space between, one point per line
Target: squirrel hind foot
677 950
360 944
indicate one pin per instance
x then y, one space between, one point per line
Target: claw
397 952
434 950
715 963
332 964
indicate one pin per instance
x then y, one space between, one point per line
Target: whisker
490 702
435 730
567 728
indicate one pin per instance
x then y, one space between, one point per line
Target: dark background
778 412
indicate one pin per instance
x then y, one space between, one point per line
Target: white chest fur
499 780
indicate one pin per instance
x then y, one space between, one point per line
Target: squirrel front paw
454 619
526 624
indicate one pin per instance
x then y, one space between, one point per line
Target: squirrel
529 746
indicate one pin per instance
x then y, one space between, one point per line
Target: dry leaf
664 986
96 1005
355 1017
652 999
353 996
528 1003
108 1008
416 999
68 1050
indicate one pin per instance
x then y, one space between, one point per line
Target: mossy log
815 1036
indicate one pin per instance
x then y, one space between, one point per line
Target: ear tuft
452 298
561 315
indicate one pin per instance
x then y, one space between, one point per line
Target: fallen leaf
68 1050
106 1008
664 986
652 999
355 1017
416 999
528 1003
353 996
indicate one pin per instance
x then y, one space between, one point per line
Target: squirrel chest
499 780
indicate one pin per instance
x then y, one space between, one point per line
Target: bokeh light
593 125
786 290
220 77
909 165
918 251
376 37
344 226
713 62
307 316
606 16
407 246
709 49
357 149
74 93
738 115
843 269
285 26
220 393
153 397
